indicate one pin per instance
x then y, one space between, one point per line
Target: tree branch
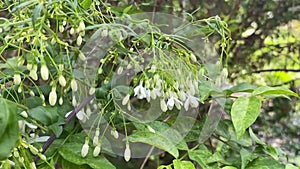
68 119
276 70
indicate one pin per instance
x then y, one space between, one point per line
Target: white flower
62 80
191 101
97 150
72 31
104 33
85 148
148 95
155 93
125 99
120 70
33 166
127 153
170 103
17 79
81 116
44 72
163 105
74 85
140 91
52 96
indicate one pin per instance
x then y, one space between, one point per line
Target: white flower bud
60 101
52 96
33 74
104 33
61 67
24 114
20 89
129 106
120 70
44 72
151 129
17 79
81 26
74 85
125 99
33 150
85 148
43 157
42 97
62 80
74 102
61 28
163 105
97 150
81 56
79 40
29 66
31 93
193 57
32 165
72 31
95 140
114 133
92 90
127 153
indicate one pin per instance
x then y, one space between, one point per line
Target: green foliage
94 112
9 127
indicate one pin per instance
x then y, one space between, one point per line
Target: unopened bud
44 72
72 31
81 26
81 56
163 105
52 96
104 33
115 133
24 114
97 150
125 99
85 148
60 101
79 40
193 57
74 85
127 153
92 91
62 80
17 79
33 150
33 74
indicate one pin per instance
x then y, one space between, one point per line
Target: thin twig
68 119
147 157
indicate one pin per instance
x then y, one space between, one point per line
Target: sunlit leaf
244 113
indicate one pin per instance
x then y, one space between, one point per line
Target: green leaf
127 9
265 163
36 13
217 157
46 115
242 87
266 90
244 112
165 167
158 140
10 132
290 166
229 167
201 155
183 164
72 153
246 157
255 138
86 4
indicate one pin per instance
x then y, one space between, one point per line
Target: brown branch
276 70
